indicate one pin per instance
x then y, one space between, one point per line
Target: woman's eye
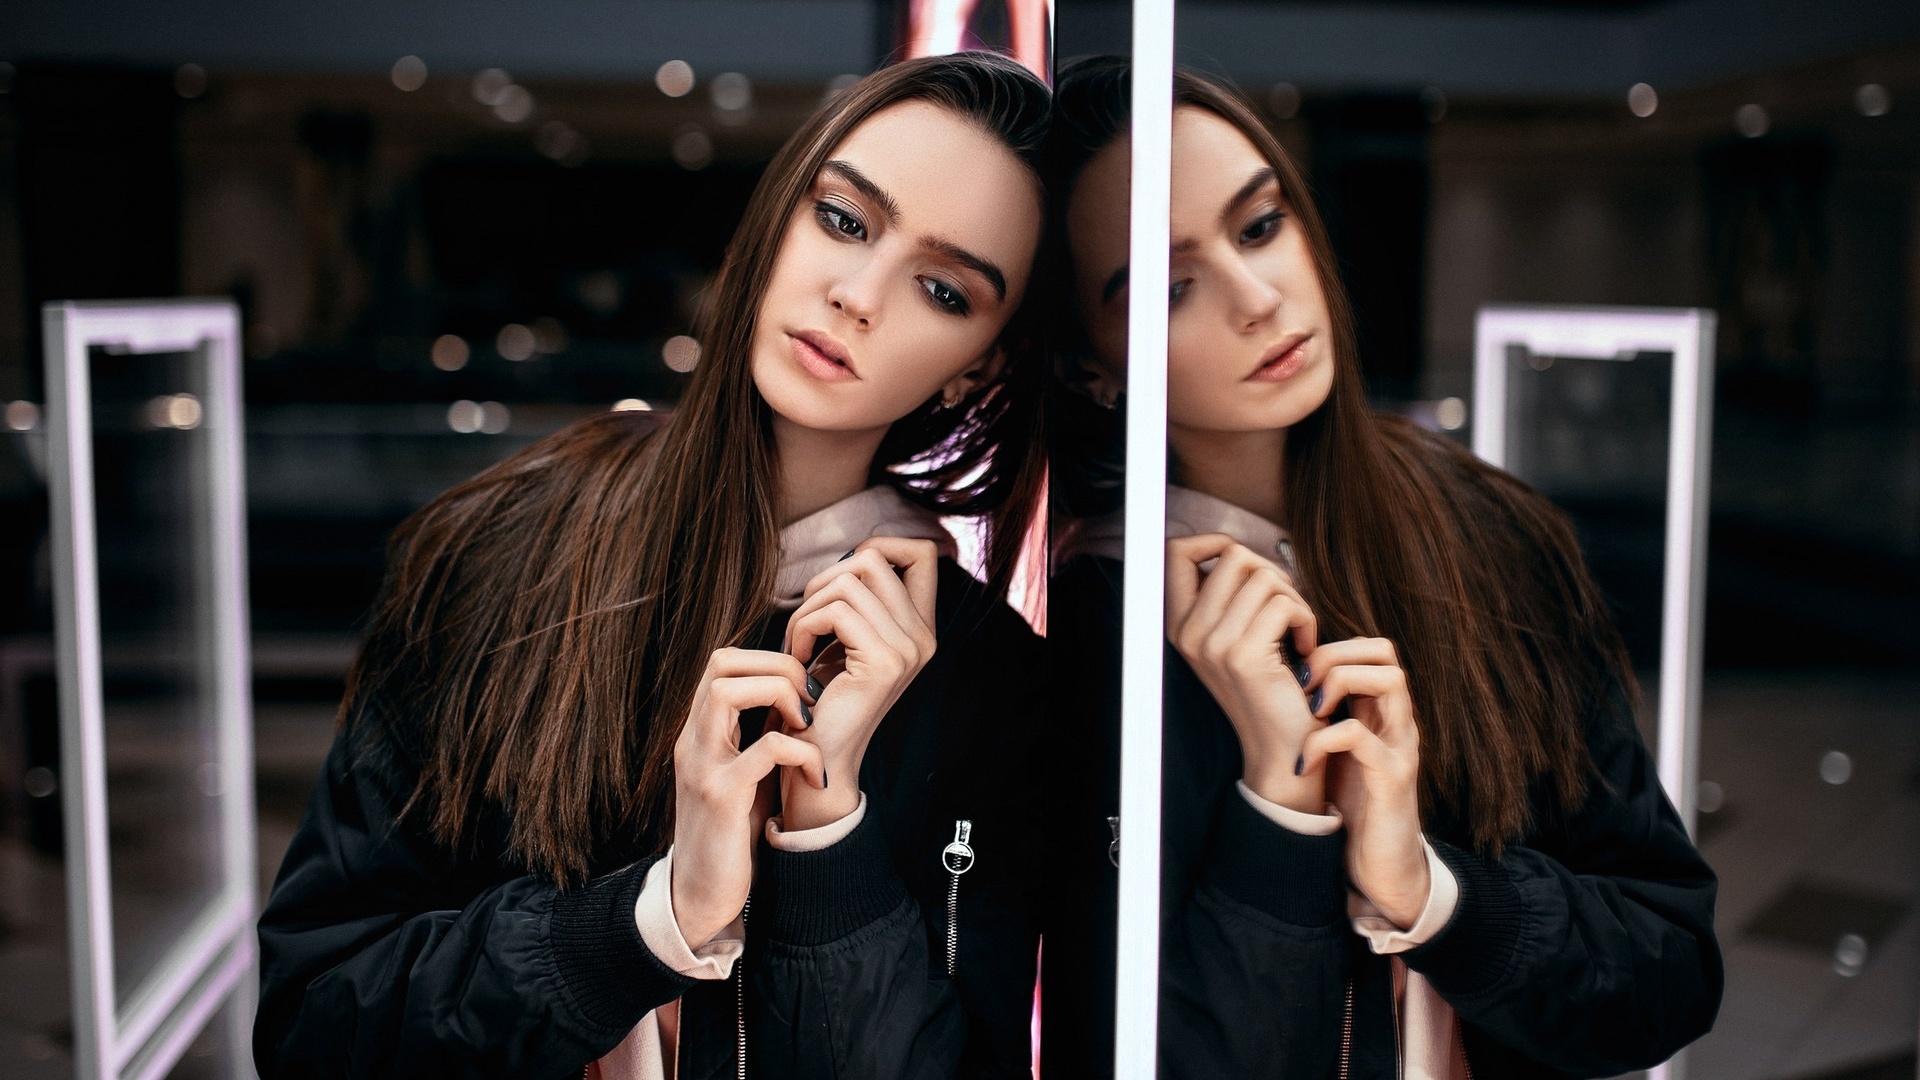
1264 226
945 296
1175 290
836 220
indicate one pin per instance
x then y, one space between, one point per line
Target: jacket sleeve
381 957
1592 952
843 982
1255 961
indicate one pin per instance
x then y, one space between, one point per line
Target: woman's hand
1375 780
720 804
882 621
1228 624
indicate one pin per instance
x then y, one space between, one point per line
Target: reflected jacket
1586 949
384 955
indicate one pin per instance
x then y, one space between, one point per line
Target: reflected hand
1373 771
1228 624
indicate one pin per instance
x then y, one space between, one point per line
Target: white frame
213 960
1607 333
1137 950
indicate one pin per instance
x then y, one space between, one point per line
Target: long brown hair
1403 534
543 626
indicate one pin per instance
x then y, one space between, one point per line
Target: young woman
531 849
1430 841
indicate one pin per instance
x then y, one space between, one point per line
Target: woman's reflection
1409 825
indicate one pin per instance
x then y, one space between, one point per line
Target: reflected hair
543 626
1401 533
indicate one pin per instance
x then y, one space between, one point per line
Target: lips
1283 360
821 356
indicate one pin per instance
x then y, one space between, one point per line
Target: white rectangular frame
1610 333
213 960
1137 950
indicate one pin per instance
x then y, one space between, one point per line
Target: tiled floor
1788 1014
1792 1009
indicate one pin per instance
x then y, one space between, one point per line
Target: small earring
946 403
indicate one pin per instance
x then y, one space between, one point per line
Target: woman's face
1249 340
898 271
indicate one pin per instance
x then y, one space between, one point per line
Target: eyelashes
839 221
945 296
843 224
1262 227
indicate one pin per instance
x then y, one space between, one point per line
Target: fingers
1208 614
1355 681
775 749
731 663
728 698
854 593
1184 556
905 596
856 633
1346 737
919 562
1278 616
1373 651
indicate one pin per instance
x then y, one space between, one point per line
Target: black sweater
384 955
1587 949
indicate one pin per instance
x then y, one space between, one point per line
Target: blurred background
452 228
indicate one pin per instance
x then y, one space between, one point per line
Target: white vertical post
137 1032
83 769
1137 957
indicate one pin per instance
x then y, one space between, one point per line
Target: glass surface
1592 435
152 509
1087 337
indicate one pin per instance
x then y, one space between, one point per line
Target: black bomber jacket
1587 949
384 955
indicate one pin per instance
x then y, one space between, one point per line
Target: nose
857 292
1254 301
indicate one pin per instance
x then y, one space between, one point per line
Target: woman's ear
978 374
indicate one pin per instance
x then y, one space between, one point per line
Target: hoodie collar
1189 513
820 539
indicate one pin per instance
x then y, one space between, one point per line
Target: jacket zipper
957 857
1399 1050
1346 1032
740 1004
1460 1040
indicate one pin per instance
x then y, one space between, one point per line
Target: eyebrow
984 267
865 186
1260 179
947 249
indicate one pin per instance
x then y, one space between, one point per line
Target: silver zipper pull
1113 849
957 857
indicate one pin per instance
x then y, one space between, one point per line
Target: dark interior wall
98 186
1370 174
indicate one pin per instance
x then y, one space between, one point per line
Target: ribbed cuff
1478 945
809 898
610 973
1296 878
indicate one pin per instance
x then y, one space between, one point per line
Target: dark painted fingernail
1302 672
1299 764
850 553
1317 699
814 689
806 715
